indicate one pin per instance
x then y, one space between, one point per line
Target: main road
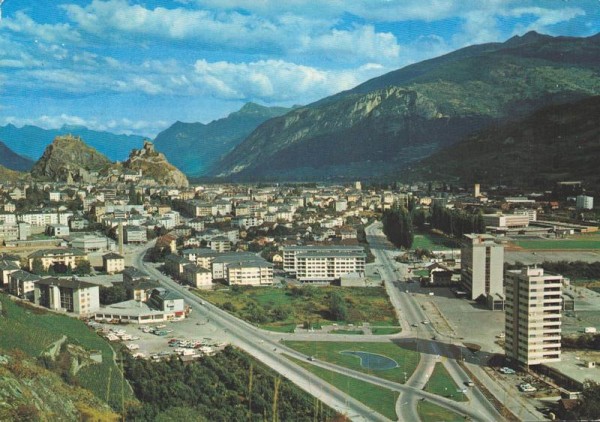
412 317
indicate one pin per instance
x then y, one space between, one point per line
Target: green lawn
434 242
33 331
375 397
429 412
265 305
406 359
442 384
349 332
385 330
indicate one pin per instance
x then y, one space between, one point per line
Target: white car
527 388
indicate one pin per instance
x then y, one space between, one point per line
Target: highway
410 314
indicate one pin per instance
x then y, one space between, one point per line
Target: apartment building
113 263
250 273
482 267
533 316
323 263
70 295
507 221
50 257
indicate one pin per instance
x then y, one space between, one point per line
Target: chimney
477 192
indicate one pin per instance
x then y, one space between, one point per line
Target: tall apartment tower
533 316
477 190
482 267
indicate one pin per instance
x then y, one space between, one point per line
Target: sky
129 66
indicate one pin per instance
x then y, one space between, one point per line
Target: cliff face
154 165
67 159
195 147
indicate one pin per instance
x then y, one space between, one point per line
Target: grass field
429 412
434 242
379 399
330 352
33 331
576 242
302 304
442 384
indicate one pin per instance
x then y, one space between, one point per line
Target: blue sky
131 66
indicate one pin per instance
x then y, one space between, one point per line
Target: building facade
533 316
482 266
323 263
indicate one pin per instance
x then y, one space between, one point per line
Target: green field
406 359
442 384
434 242
429 412
33 331
373 396
281 309
578 242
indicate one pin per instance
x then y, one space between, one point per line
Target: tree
398 226
37 267
112 294
83 267
337 307
589 404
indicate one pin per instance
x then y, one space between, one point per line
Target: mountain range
13 161
560 142
31 141
391 122
195 147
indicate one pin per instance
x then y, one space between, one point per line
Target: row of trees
82 268
398 226
456 222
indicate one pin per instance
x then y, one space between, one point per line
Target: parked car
506 370
527 388
469 383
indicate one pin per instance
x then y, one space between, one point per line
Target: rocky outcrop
155 167
68 159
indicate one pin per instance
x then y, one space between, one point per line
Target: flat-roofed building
533 316
482 266
508 221
133 234
323 263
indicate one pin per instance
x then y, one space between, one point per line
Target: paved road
411 314
264 346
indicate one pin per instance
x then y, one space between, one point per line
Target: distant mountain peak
527 38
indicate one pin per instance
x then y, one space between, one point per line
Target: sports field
577 242
434 242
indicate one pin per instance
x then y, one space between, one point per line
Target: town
486 307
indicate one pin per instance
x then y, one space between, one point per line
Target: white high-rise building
533 312
482 267
585 202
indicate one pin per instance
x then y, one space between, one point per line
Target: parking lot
196 330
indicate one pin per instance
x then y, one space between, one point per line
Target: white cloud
23 25
277 80
233 31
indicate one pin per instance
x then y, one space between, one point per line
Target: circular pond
372 361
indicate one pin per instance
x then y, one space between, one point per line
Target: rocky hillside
556 143
387 123
67 158
13 161
31 141
154 165
195 147
29 392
